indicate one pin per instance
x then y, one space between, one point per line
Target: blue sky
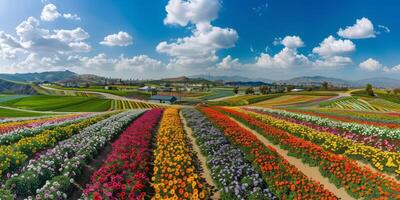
276 39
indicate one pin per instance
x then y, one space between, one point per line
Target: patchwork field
353 103
218 93
290 100
201 153
126 104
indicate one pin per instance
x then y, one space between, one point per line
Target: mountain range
311 80
68 76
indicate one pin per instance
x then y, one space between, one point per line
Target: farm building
147 88
163 99
297 90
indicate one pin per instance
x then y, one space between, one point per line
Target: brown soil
203 161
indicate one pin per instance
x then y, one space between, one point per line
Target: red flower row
285 180
125 173
360 182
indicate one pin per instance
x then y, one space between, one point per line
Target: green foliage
57 103
15 113
6 194
217 93
325 85
264 89
249 90
369 90
236 90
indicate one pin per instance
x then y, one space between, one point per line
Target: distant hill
308 80
232 78
247 83
16 87
83 79
52 76
316 80
176 79
184 79
378 82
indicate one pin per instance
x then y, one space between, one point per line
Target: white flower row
362 129
17 134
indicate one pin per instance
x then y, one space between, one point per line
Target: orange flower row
284 179
174 172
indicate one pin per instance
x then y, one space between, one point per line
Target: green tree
370 90
250 90
236 90
396 91
325 85
264 89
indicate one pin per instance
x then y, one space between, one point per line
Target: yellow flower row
174 173
13 156
382 160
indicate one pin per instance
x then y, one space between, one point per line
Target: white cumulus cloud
363 28
228 63
71 16
49 13
182 12
119 39
199 49
331 46
73 35
370 65
292 42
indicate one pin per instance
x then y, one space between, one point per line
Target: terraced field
352 103
218 93
126 104
290 100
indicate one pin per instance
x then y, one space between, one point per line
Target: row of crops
127 104
351 103
197 153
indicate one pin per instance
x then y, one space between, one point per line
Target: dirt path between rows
203 161
311 172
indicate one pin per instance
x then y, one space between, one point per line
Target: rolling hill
12 87
52 76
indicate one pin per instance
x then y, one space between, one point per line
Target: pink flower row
125 172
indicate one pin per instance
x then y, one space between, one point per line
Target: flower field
200 153
352 103
389 120
290 100
126 105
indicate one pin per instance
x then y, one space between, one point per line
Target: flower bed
174 172
234 175
361 117
382 160
14 156
125 172
52 175
359 182
391 145
48 165
347 126
285 180
7 127
17 134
